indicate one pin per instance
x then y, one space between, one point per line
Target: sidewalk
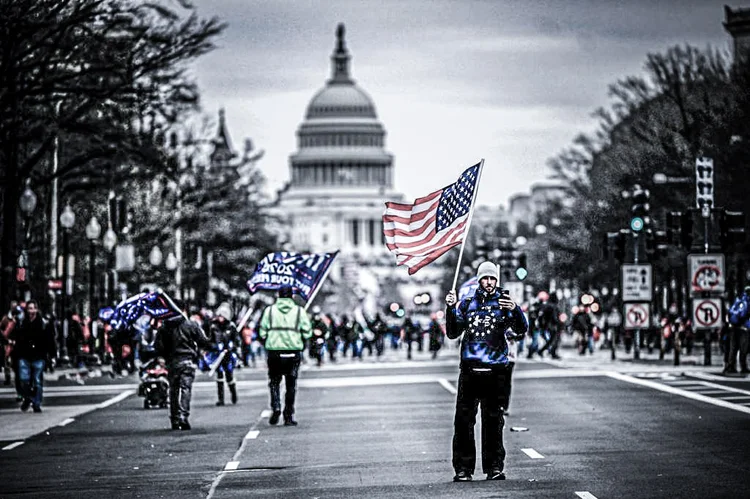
626 362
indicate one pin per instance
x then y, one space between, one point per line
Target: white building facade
340 178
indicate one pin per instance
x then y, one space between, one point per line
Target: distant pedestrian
226 340
482 320
179 341
33 345
284 326
739 318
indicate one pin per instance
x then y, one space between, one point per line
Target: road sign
637 315
636 282
706 273
707 313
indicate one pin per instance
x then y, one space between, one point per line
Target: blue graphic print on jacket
739 312
483 324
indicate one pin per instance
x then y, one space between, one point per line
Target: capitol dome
340 141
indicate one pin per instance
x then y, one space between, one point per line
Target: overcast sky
511 81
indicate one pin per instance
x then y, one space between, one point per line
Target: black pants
738 342
181 377
286 364
489 389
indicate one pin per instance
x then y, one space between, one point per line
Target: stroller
154 387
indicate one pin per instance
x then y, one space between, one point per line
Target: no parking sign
637 315
707 313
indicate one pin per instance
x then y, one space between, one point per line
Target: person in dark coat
179 341
482 320
33 344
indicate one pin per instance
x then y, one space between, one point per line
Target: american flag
419 233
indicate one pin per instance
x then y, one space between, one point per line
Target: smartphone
505 294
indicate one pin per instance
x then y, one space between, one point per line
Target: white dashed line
532 454
585 495
232 465
66 422
13 445
735 397
447 385
252 434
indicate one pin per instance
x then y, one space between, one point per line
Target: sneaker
495 475
37 408
184 425
274 419
462 476
290 421
25 405
219 403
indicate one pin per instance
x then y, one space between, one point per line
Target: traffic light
619 246
704 185
640 209
680 228
732 225
522 270
657 242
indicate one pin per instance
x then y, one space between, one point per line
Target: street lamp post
27 203
93 230
67 221
110 240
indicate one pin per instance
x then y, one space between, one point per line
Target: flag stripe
421 232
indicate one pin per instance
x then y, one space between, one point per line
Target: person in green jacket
284 327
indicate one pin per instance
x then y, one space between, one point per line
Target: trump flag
420 233
302 271
153 304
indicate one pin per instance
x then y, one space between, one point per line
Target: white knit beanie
488 269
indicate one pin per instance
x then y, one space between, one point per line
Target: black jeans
181 377
738 342
286 364
488 388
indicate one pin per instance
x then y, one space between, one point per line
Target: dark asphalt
385 431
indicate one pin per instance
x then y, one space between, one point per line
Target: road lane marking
13 445
678 391
447 385
235 462
66 422
265 413
532 453
712 392
114 400
735 397
585 495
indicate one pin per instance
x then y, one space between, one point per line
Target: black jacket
34 340
180 339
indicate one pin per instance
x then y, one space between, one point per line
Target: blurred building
737 23
340 177
524 209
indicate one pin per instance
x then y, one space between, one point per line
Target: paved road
594 429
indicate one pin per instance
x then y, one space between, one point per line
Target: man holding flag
483 319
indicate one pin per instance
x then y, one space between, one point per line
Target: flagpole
244 318
320 284
171 302
468 223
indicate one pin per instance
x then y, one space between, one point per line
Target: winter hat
488 269
224 311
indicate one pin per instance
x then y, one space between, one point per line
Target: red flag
419 233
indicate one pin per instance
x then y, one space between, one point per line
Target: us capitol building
340 177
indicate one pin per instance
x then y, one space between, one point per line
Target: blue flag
131 309
467 289
303 272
